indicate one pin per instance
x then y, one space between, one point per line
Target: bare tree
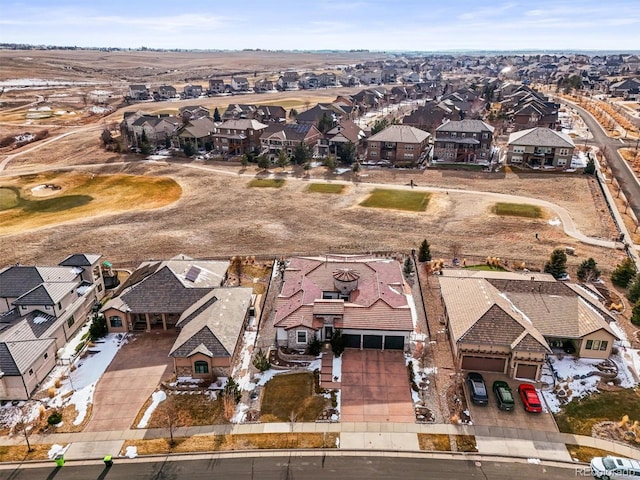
173 417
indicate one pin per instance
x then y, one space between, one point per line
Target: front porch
153 321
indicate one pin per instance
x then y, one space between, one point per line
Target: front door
328 333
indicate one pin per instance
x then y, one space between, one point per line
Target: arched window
201 367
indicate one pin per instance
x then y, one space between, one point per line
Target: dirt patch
434 442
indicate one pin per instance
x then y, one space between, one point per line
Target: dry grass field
219 215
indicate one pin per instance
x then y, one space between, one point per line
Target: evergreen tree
424 252
325 123
98 328
337 342
261 362
408 267
283 159
216 115
232 390
347 153
264 162
623 273
634 289
635 314
188 149
330 163
590 168
557 264
293 113
301 154
588 270
379 125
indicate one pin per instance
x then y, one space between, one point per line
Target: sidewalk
516 442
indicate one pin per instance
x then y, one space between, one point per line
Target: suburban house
191 112
199 132
192 91
216 86
264 86
398 144
309 81
288 81
287 136
431 116
237 137
41 308
210 333
165 92
187 295
333 111
328 79
138 92
239 84
158 292
464 141
508 322
138 126
271 114
346 131
540 148
623 87
365 298
239 110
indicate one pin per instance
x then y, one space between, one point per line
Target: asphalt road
307 468
620 169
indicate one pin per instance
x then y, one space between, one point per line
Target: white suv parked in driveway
613 468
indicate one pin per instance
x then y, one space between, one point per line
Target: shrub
634 289
55 418
232 390
261 362
80 346
57 383
337 343
588 270
623 273
313 347
51 391
635 314
98 328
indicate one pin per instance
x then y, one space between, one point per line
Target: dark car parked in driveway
504 395
477 389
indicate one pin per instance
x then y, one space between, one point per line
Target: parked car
504 395
610 468
530 398
477 389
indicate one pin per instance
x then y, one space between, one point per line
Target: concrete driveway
133 375
375 387
492 416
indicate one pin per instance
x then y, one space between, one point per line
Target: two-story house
165 92
287 136
328 79
239 84
138 92
288 81
192 91
216 86
41 308
153 129
540 147
237 137
464 141
398 144
264 86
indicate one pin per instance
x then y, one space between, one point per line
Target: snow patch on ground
131 452
555 222
241 413
56 450
267 375
535 461
337 368
25 138
156 398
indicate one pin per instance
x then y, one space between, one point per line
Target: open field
35 201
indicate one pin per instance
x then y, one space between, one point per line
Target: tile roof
400 134
213 324
378 302
541 137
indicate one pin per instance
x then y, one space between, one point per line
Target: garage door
393 343
526 371
372 341
351 341
483 364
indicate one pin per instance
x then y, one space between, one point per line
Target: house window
47 307
373 154
70 321
596 345
301 336
115 321
31 371
518 149
562 162
201 367
408 155
59 306
463 135
454 134
373 145
408 147
603 345
46 355
589 344
563 152
485 135
23 307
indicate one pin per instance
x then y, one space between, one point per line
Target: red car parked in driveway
530 398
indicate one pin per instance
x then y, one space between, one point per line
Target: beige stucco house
508 322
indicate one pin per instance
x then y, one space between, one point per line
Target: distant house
328 79
155 128
365 298
432 115
464 141
216 86
397 144
309 81
237 137
264 86
41 308
191 112
192 91
508 322
166 92
138 92
623 87
236 111
287 136
239 84
199 132
288 81
540 147
271 114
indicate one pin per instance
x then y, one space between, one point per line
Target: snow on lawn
554 222
131 452
56 450
628 358
244 382
420 375
267 375
337 368
156 398
241 413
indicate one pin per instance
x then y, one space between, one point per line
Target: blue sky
326 24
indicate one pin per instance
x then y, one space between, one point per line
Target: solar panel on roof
192 274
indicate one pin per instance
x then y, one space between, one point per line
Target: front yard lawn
290 395
194 409
585 454
580 415
397 199
517 210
